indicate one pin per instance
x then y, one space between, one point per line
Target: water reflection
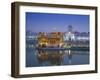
53 57
69 56
35 57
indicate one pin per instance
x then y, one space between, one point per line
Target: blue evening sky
47 22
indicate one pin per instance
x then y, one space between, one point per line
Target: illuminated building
69 35
42 39
31 35
53 39
82 36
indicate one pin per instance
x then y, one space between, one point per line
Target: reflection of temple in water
54 57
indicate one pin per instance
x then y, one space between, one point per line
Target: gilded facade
53 39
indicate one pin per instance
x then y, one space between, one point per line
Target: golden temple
52 39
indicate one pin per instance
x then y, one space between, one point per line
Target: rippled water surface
38 58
